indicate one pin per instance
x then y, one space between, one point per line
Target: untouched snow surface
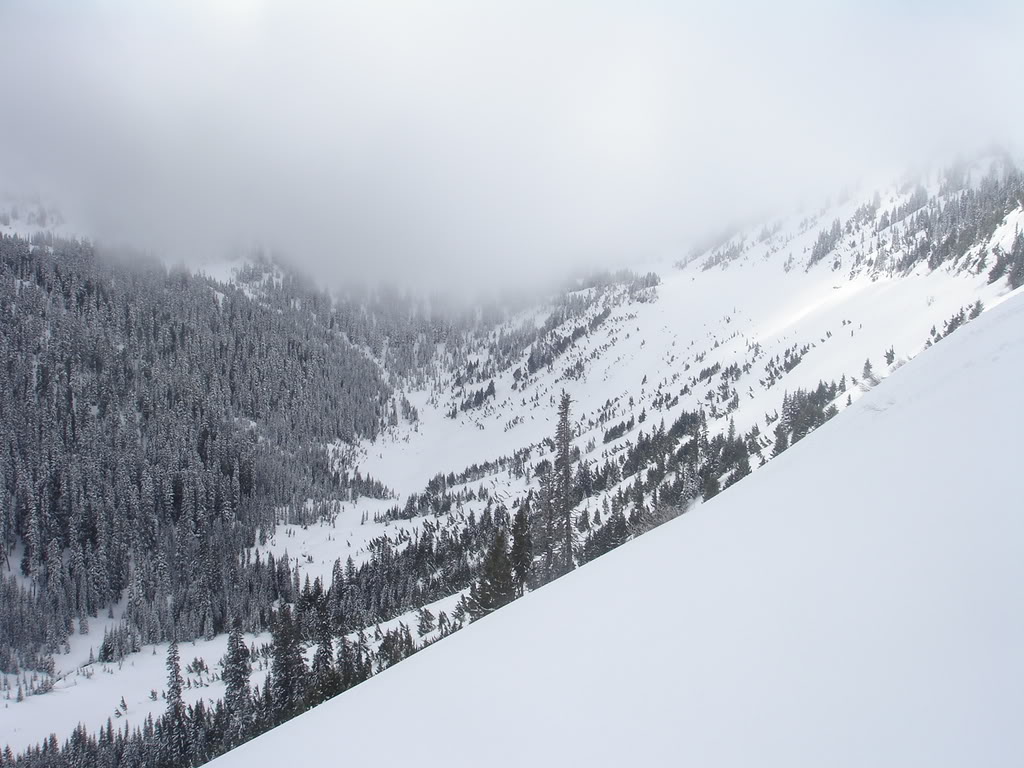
857 602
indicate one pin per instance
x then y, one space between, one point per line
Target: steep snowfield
857 602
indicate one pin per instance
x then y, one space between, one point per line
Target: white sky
433 141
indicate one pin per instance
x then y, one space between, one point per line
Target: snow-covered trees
496 586
521 554
150 421
1011 264
175 733
425 622
324 681
237 695
804 411
288 667
826 242
868 373
564 495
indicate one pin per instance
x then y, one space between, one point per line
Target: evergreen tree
1016 277
868 374
496 586
564 497
237 701
544 534
424 622
324 679
522 547
287 667
175 733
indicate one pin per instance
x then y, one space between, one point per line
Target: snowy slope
28 217
698 319
763 296
749 309
856 602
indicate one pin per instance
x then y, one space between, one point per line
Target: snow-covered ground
719 314
857 602
29 216
124 693
748 310
127 693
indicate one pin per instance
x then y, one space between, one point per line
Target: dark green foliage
324 680
497 585
826 242
868 373
522 547
803 411
396 579
1016 276
477 399
397 644
237 696
1010 264
425 622
612 534
564 493
288 667
941 232
617 431
150 421
175 739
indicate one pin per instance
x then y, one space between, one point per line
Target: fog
470 143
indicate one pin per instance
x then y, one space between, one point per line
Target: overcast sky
433 141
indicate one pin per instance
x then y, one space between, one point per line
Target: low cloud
465 142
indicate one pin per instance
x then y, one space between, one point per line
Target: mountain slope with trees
341 481
852 603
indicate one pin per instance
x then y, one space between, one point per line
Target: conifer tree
424 621
237 669
522 547
174 727
564 501
1016 277
324 680
287 668
868 373
496 585
544 533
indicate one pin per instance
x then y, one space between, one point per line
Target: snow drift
857 602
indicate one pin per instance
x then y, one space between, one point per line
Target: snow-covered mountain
857 602
32 217
752 343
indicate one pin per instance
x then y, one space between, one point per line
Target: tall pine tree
496 586
563 495
237 697
324 679
175 734
287 667
522 547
